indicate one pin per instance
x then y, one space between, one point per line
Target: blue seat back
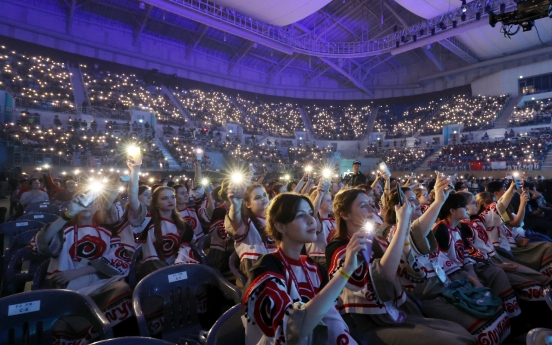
228 326
28 318
45 218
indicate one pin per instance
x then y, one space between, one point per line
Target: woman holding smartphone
289 298
373 302
246 223
90 257
427 272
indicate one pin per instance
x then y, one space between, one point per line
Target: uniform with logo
458 249
527 283
221 246
427 271
251 245
189 214
536 255
377 309
74 247
278 288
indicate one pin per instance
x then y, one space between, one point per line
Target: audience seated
521 154
276 119
474 112
412 119
36 81
339 122
531 114
210 109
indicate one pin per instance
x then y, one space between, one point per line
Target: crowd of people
112 95
473 254
528 115
474 112
339 122
36 81
522 154
411 120
276 119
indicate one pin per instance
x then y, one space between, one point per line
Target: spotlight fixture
502 7
422 32
463 17
478 16
464 7
397 44
442 25
454 23
142 5
432 31
414 38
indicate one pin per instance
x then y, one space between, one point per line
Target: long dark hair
342 203
390 216
184 229
283 209
247 213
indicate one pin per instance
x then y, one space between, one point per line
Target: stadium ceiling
350 41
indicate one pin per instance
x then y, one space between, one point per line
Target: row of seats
23 269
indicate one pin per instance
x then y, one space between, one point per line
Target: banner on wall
498 165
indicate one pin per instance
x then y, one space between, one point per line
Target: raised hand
356 244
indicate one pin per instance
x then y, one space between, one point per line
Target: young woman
426 271
452 241
188 213
222 246
288 297
246 223
506 237
89 257
527 283
373 303
166 239
423 198
323 209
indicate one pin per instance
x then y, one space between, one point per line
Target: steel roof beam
142 25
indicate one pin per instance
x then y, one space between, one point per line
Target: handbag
481 302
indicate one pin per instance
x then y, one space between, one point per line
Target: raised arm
392 257
317 307
504 201
518 219
430 215
133 187
235 195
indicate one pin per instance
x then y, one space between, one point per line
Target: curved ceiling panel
275 12
488 42
430 8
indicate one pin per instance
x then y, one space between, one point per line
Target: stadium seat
539 336
136 257
40 276
133 341
40 207
548 297
46 218
28 318
178 294
228 326
204 243
21 269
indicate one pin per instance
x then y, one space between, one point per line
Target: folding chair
28 317
228 326
177 286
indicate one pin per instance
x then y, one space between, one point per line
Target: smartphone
89 198
517 182
399 191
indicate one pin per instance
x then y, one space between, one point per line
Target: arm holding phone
392 257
